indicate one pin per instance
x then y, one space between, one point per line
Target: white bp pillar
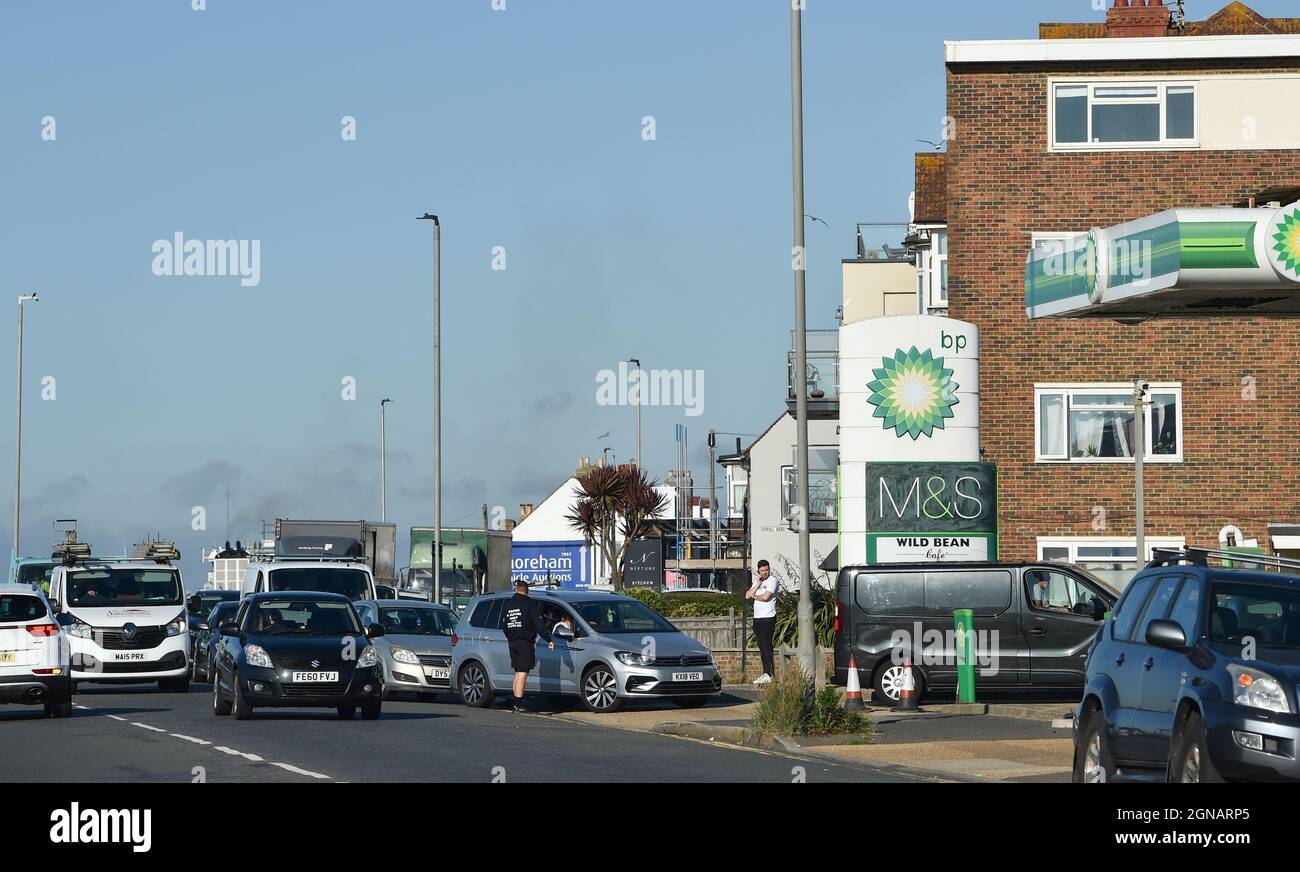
912 487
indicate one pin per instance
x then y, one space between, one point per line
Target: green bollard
964 620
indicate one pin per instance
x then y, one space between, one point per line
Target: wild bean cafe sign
931 511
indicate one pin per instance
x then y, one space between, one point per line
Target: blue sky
522 129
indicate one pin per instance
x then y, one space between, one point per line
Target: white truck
322 556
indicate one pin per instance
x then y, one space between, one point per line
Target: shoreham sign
1178 262
931 511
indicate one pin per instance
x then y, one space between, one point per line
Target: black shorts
523 655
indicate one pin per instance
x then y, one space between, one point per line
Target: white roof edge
1121 49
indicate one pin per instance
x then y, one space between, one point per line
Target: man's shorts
523 655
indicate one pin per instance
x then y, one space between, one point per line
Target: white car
35 659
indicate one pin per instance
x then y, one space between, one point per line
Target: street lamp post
638 409
437 405
18 440
1139 459
807 645
383 474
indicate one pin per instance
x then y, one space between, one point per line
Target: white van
352 578
126 619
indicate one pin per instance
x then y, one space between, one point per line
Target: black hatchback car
1194 677
301 649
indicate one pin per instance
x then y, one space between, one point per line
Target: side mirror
229 628
1166 634
1098 608
563 633
63 619
193 604
374 631
202 627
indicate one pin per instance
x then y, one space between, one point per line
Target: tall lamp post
383 474
18 440
638 409
807 645
437 405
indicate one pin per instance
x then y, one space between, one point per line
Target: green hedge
691 605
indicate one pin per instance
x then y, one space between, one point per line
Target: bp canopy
1181 262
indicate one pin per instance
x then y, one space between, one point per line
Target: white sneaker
763 679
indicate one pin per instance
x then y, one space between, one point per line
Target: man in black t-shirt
523 623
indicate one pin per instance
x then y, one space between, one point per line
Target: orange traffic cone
853 693
907 695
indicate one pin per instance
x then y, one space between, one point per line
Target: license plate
688 676
134 656
308 677
8 657
436 672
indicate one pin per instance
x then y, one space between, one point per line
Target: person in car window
523 622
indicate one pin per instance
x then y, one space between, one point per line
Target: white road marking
190 739
234 753
147 727
298 771
1062 724
114 717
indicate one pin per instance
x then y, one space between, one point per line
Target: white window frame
1068 389
930 268
1161 85
1073 543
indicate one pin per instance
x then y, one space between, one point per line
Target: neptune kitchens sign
931 511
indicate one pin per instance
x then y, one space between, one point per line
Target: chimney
1138 18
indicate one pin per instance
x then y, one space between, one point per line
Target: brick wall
1241 458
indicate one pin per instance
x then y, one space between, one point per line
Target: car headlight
1257 689
405 655
255 655
178 626
369 657
631 658
80 629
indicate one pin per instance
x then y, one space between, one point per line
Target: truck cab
349 577
124 617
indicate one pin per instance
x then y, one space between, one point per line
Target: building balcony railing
821 382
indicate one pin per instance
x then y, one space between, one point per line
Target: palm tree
615 502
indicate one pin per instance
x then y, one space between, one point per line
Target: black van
1034 623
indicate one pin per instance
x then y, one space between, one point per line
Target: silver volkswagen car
415 650
609 648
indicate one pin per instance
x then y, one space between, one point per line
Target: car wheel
243 711
691 701
600 690
347 712
887 685
1092 763
370 710
58 709
1192 763
475 689
220 706
177 685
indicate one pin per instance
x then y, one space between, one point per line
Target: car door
989 593
228 651
1164 672
1144 728
492 644
1119 657
557 668
1058 624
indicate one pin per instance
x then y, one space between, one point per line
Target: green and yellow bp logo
913 393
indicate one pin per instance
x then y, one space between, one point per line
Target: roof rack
156 550
1197 556
69 551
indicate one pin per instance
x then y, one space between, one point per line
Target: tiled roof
931 205
1235 19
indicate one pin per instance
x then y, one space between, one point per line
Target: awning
1179 262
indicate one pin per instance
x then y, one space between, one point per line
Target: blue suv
1195 675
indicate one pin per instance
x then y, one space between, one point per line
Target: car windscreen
122 586
35 573
416 621
323 579
222 611
302 617
21 607
1269 615
623 616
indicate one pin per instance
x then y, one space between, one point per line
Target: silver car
415 650
609 648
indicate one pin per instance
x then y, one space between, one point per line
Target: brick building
1092 125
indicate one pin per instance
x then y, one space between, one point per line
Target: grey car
415 650
609 648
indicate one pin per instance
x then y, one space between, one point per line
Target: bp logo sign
1285 242
913 393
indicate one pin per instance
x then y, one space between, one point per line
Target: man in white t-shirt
763 592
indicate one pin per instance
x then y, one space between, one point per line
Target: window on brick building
932 270
1112 559
1094 423
1123 114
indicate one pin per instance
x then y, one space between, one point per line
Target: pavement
136 733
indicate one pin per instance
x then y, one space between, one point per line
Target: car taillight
454 640
839 617
43 629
